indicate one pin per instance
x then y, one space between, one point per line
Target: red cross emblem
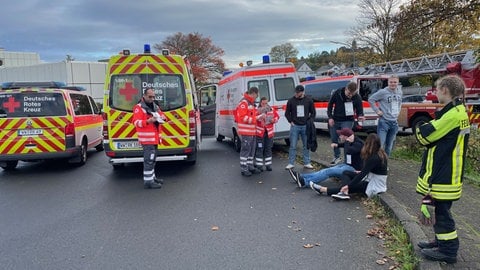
11 104
128 91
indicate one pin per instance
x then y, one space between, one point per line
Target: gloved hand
426 216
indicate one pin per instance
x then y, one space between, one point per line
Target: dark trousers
149 160
444 228
247 152
263 152
345 179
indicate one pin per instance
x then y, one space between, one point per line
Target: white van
276 81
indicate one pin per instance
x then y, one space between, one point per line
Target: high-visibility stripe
447 236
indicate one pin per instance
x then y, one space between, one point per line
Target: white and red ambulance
276 81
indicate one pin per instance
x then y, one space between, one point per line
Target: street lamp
352 46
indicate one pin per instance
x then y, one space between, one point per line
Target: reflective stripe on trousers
149 156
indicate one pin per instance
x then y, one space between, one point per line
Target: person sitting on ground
352 162
371 180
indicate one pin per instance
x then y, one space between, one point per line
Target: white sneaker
289 166
308 166
316 188
341 196
335 161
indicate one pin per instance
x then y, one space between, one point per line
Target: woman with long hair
371 180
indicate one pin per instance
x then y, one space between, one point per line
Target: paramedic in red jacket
147 118
265 132
246 115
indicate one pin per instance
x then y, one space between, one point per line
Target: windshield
31 104
127 90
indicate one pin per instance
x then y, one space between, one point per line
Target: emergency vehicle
47 120
461 63
321 89
128 76
276 81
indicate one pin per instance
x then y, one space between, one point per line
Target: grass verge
401 254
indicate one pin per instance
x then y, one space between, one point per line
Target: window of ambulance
126 90
31 104
81 104
284 88
263 89
321 91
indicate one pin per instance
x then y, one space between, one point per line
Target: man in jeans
389 101
353 162
299 109
343 105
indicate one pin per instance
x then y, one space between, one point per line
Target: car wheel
83 153
237 143
10 165
99 147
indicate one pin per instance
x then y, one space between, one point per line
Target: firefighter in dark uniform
441 173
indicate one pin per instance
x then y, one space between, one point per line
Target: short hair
264 98
252 90
352 87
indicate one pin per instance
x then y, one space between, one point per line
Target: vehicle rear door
32 122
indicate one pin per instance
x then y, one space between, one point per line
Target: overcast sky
90 30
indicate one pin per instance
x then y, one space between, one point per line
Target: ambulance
276 81
47 120
128 76
321 89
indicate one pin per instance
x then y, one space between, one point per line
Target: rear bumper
136 156
69 153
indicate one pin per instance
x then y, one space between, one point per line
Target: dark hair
352 87
252 90
373 146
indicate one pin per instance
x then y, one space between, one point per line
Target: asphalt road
206 216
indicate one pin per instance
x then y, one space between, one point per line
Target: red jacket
148 133
267 124
246 116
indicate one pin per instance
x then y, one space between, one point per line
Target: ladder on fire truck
422 65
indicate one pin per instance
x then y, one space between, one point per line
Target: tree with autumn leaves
205 58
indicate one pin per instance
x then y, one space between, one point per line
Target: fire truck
321 89
461 63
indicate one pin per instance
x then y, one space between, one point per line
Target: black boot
427 244
151 185
434 254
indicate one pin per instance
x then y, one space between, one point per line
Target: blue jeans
324 174
387 131
295 132
334 136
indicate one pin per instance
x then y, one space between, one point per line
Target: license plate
30 132
369 123
128 145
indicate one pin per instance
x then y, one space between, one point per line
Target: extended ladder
421 65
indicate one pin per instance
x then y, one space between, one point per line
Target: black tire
192 159
99 147
237 143
117 166
10 165
83 153
220 138
287 141
419 120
